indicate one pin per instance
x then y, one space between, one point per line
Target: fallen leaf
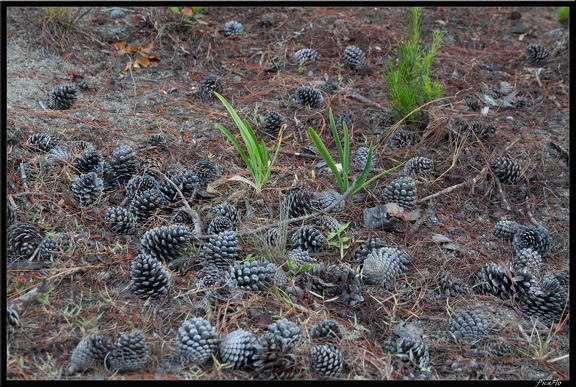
141 61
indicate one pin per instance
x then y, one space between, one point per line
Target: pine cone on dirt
300 257
328 328
505 229
383 265
546 302
197 340
238 348
129 353
165 242
92 349
63 97
146 203
233 28
42 142
207 172
149 277
366 247
272 236
22 240
326 359
58 156
140 183
253 276
88 160
151 166
331 280
326 198
305 55
307 238
535 237
10 216
220 250
308 96
297 203
12 317
506 170
536 54
122 162
528 258
219 224
227 210
208 85
87 188
361 158
402 138
274 360
502 348
410 350
494 279
273 121
187 181
416 165
328 222
182 215
452 286
401 191
469 327
285 331
48 247
341 118
119 220
354 57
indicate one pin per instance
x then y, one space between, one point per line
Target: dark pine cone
42 141
63 97
494 279
227 210
505 229
326 359
286 332
383 265
535 237
12 317
272 236
22 240
129 353
233 28
546 302
253 275
147 202
165 242
506 170
416 165
328 222
197 340
208 85
341 118
536 54
300 257
238 348
207 172
452 286
139 183
88 160
220 250
219 224
274 360
91 349
272 123
327 198
10 216
469 327
308 96
354 57
502 348
366 247
528 258
59 155
402 138
328 328
182 215
297 203
305 55
401 191
122 162
331 280
151 166
307 238
187 181
149 277
410 350
361 157
48 247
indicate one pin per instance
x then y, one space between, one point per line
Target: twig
349 91
297 154
454 187
21 302
23 177
502 194
529 213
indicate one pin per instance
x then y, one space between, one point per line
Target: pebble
118 13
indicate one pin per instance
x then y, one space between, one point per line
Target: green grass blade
234 142
326 156
344 158
362 178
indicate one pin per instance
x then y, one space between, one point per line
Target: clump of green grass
64 17
563 15
410 84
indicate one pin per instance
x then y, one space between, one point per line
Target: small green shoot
188 15
336 239
563 15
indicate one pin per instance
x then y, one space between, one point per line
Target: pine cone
383 265
305 55
140 183
327 198
43 142
354 57
227 210
219 224
183 216
416 165
63 97
147 202
88 160
211 275
12 317
361 157
91 349
300 257
505 229
22 240
221 250
238 348
274 360
122 162
272 123
207 172
506 170
401 191
328 328
104 170
502 349
528 258
452 286
187 182
326 359
10 216
165 242
307 238
366 247
308 96
297 203
233 28
286 332
79 146
149 277
157 140
410 350
494 279
208 85
546 302
87 188
151 166
129 353
341 118
402 138
535 237
469 327
197 340
254 276
331 280
48 247
328 222
58 156
536 54
272 236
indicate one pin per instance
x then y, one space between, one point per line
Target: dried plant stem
454 187
21 302
503 195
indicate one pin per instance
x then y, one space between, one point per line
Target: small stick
502 194
20 303
23 177
454 187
